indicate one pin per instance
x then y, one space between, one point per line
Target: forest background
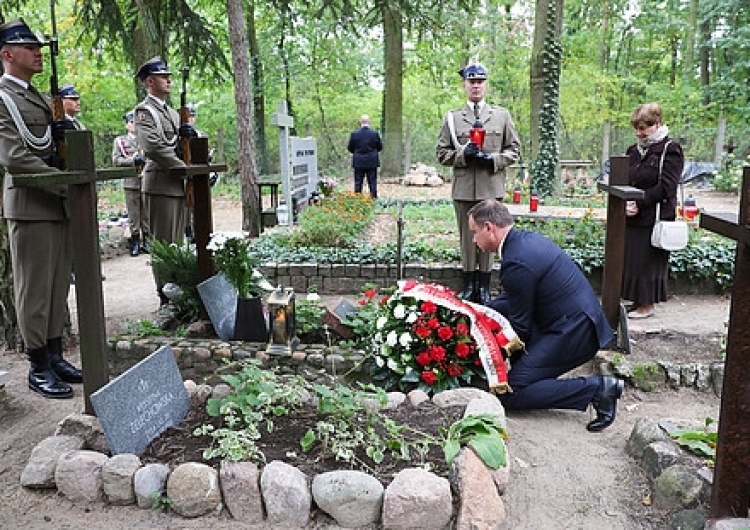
585 63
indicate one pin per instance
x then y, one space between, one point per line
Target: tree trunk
245 136
546 60
259 100
392 159
689 63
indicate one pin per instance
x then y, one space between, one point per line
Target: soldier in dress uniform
37 217
158 129
478 174
126 153
71 101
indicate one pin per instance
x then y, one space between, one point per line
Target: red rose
454 370
428 377
384 300
433 323
462 350
428 308
423 359
422 332
437 353
445 333
370 293
462 328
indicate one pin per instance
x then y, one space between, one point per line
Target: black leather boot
469 286
64 370
605 403
135 244
43 379
145 249
483 293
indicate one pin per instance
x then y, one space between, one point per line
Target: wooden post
730 496
614 244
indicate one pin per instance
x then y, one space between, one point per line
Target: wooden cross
199 171
285 122
618 193
81 178
730 496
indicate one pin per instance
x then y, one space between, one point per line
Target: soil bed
178 445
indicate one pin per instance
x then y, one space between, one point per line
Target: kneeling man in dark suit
554 310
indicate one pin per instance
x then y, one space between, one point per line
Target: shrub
339 221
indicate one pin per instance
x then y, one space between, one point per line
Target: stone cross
618 193
729 496
285 122
81 177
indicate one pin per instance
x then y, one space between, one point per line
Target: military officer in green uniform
127 153
37 218
478 173
157 127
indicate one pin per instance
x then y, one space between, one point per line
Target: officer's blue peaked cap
17 32
69 91
153 66
473 71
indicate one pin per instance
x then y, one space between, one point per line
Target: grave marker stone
220 300
729 496
141 403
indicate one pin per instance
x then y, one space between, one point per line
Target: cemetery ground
562 475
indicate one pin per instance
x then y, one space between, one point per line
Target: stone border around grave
75 462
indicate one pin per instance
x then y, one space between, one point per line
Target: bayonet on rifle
58 111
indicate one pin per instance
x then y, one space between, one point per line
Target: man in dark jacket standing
554 311
365 144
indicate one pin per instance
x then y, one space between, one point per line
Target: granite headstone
141 403
220 300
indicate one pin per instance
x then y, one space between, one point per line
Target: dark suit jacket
364 144
545 295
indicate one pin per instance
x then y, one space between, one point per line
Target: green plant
698 441
235 257
178 264
339 221
143 328
159 501
483 433
309 313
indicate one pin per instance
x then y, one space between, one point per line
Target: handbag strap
661 167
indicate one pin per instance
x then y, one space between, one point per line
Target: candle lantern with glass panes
281 321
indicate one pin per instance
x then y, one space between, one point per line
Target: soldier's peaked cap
17 32
473 71
153 66
128 116
69 91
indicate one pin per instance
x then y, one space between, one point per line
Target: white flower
412 318
380 322
405 339
313 297
378 338
391 339
399 311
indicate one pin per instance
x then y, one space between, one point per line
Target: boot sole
51 396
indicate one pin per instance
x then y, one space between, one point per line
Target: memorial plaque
141 403
344 308
220 300
333 318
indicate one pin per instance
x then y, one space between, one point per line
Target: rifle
58 111
184 117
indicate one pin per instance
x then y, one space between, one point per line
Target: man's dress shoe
605 403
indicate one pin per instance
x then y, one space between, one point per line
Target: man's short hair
491 211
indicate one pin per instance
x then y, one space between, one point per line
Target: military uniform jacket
22 151
124 149
156 128
470 182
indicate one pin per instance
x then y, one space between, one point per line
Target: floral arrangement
234 256
327 185
418 343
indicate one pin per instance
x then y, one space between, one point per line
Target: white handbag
668 235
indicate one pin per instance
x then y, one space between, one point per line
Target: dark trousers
371 173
